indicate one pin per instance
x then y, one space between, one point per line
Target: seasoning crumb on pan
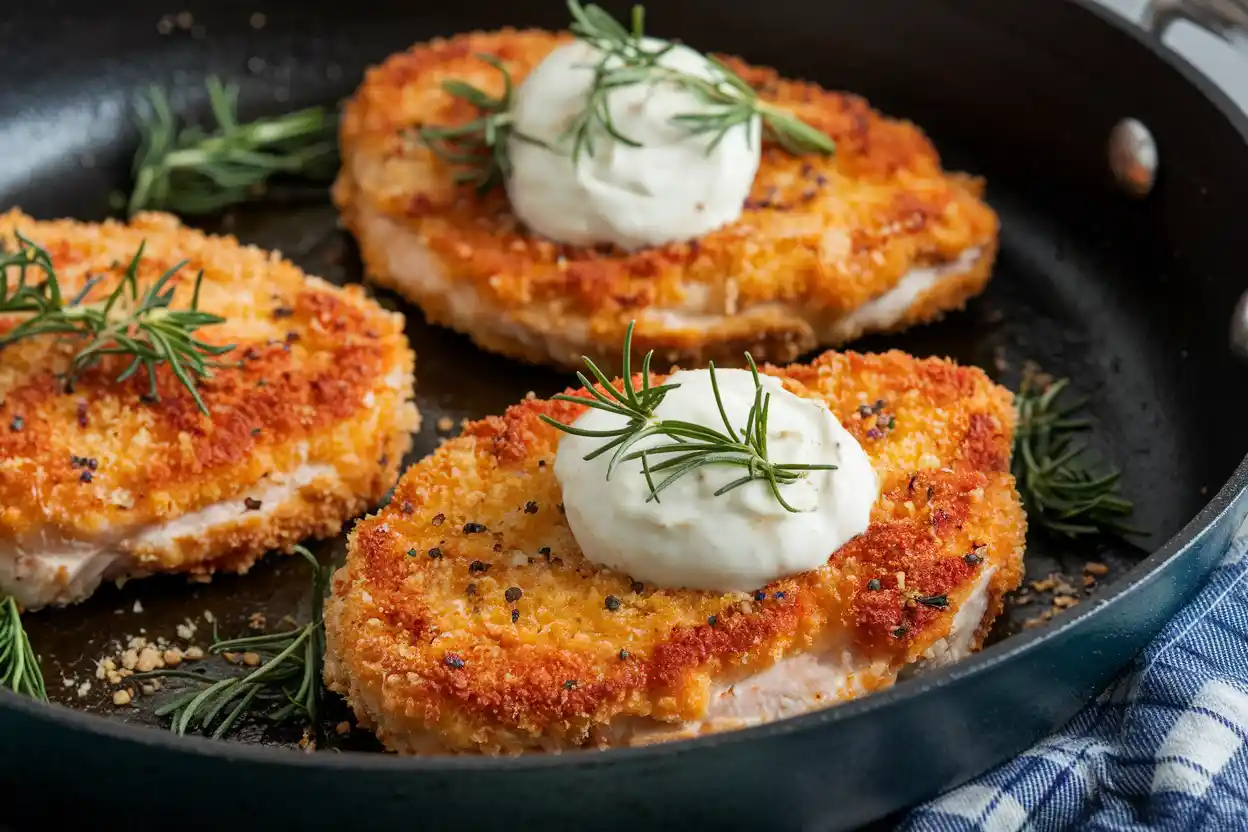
446 424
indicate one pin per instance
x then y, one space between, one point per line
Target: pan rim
1190 535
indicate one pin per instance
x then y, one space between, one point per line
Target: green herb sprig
627 60
693 446
19 666
1063 488
479 146
190 170
284 688
141 326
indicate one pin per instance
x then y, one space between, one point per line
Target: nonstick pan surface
1130 298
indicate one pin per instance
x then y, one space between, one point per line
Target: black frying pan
1129 294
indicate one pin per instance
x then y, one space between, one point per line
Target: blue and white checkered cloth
1165 748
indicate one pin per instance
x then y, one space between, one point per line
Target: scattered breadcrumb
121 697
138 605
343 728
149 660
186 631
1061 591
257 621
209 617
446 423
193 654
251 659
84 689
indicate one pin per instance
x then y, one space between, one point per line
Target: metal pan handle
1225 18
1229 20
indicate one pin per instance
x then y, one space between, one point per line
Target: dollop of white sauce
735 542
671 187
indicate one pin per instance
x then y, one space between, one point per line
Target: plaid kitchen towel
1164 749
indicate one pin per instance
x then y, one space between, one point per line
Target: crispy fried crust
421 634
819 237
320 376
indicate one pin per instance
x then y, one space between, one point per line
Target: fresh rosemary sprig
188 170
285 687
693 446
1061 487
627 60
480 145
142 327
19 666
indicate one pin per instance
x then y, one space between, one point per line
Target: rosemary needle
1062 489
190 170
692 445
285 687
140 326
19 667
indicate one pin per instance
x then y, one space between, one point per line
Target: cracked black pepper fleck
530 507
411 553
473 528
82 414
251 505
86 476
515 616
255 431
83 462
612 603
478 567
972 559
778 595
17 424
471 589
936 601
874 584
623 655
435 553
570 684
513 594
283 312
407 508
544 552
453 661
638 587
438 519
759 595
900 632
712 621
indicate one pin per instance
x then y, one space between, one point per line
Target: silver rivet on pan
1239 328
1133 157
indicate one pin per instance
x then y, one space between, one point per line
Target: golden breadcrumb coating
818 239
467 618
320 376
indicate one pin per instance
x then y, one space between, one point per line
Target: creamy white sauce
671 187
737 541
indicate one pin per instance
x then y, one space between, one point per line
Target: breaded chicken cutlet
467 619
309 418
876 237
